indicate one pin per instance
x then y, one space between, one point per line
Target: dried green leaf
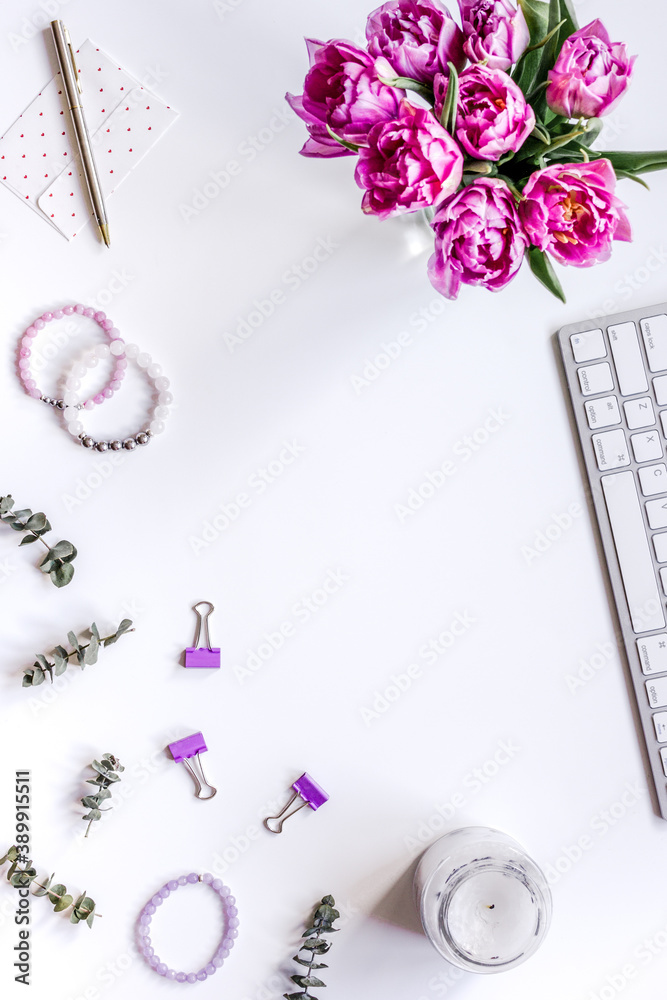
94 631
62 575
6 503
92 651
27 678
28 539
101 766
79 901
60 665
94 814
91 917
56 891
307 981
87 906
22 514
38 677
73 918
63 903
318 947
36 522
90 801
42 889
310 964
63 550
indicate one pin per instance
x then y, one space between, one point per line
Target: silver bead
115 445
87 441
129 444
142 438
60 403
101 446
47 400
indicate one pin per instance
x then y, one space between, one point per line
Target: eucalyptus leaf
62 575
94 631
60 665
36 522
307 981
38 677
21 514
42 889
63 550
56 891
6 503
63 903
27 678
90 918
28 539
92 651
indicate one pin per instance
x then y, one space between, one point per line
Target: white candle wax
492 915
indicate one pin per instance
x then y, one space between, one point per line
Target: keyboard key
660 546
656 511
588 346
639 413
595 379
653 654
663 756
647 447
633 553
663 579
611 450
653 479
604 412
660 723
654 332
657 692
628 359
663 421
660 389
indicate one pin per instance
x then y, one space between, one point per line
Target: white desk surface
190 259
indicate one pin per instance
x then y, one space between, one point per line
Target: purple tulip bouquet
496 140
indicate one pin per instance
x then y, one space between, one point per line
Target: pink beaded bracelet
116 348
227 940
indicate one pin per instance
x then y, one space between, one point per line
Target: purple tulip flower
571 211
590 75
416 37
493 117
341 91
409 163
479 239
495 32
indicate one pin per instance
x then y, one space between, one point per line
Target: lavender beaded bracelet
227 940
116 348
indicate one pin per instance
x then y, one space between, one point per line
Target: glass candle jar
484 904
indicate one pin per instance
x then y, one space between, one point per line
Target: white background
184 270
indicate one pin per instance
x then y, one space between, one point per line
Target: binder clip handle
202 623
186 751
310 793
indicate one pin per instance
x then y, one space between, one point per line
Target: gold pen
72 90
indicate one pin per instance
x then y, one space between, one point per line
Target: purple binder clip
182 751
204 656
310 793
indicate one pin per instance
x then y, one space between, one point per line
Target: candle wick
490 906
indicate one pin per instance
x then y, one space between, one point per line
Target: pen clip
71 55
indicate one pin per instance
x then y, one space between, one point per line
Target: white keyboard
616 370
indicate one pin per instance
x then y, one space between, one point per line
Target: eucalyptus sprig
58 560
85 653
313 945
83 908
107 774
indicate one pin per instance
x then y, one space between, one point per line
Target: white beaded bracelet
74 407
